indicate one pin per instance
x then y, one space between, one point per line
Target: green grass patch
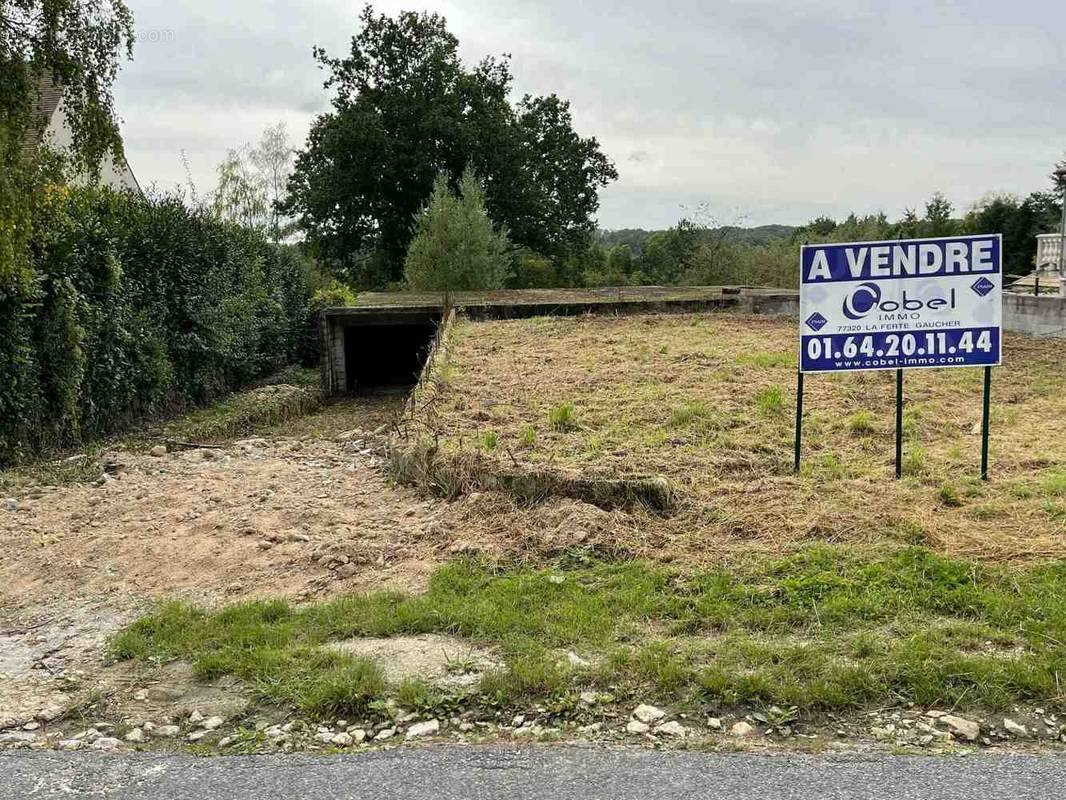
824 629
528 436
949 496
563 417
1053 483
687 413
861 422
770 401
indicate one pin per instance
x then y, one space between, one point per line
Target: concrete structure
1048 251
49 126
1046 278
1036 316
383 339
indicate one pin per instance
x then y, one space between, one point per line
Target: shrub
333 295
137 306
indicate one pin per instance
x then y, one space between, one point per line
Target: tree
456 247
241 196
405 110
938 221
273 157
1019 221
78 43
532 271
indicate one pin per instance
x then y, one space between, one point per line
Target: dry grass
707 401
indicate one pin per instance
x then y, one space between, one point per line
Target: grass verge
823 630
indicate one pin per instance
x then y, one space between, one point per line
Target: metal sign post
898 305
986 421
899 424
799 420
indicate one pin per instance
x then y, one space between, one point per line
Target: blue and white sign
901 304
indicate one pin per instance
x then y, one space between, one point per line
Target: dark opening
380 356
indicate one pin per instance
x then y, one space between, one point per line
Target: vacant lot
303 586
708 402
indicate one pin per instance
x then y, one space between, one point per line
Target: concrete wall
1037 316
334 373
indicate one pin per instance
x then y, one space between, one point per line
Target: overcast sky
773 111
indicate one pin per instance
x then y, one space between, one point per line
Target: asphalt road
533 773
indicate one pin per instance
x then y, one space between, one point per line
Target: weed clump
563 417
949 496
861 423
686 414
528 436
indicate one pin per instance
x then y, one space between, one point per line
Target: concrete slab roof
526 302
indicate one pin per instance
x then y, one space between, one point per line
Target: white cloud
785 110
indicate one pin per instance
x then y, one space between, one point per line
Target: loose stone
427 728
742 730
675 729
962 728
648 714
1015 729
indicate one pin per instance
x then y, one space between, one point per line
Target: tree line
702 253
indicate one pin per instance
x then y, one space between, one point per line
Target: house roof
45 102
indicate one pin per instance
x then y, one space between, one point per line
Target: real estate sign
901 304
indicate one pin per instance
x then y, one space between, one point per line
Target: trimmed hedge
137 307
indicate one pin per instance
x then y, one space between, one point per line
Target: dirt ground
253 519
303 511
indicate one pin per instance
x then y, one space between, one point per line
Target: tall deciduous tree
273 157
406 109
456 247
241 195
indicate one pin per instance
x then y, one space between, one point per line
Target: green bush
137 307
333 295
